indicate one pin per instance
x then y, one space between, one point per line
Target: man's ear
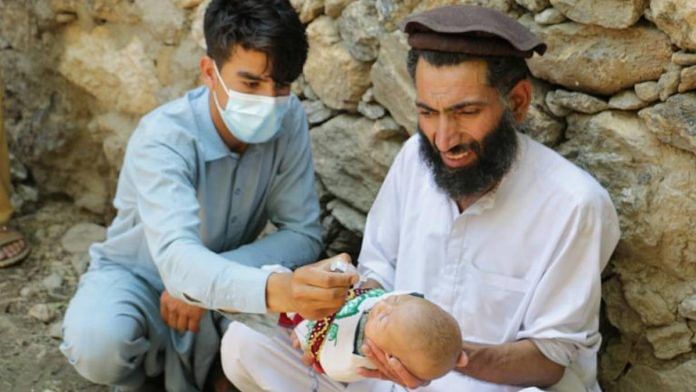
520 97
206 66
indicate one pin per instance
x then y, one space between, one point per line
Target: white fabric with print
338 356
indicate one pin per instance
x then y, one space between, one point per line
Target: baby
421 335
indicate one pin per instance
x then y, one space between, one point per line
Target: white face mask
251 118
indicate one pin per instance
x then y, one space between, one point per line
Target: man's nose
446 132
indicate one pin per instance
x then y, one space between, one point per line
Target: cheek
220 95
471 127
372 334
476 127
369 331
429 126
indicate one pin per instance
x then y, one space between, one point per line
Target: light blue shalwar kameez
189 211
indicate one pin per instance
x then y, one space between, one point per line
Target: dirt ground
29 355
35 295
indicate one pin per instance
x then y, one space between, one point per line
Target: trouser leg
255 362
112 331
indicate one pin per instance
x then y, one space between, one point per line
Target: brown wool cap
470 29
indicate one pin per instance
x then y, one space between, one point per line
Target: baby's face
385 327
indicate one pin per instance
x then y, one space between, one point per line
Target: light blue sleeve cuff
246 295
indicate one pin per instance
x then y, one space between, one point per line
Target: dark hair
503 73
269 26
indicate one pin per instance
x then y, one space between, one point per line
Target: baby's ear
462 361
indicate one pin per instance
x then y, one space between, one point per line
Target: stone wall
614 93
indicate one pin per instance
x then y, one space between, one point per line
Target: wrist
278 292
471 352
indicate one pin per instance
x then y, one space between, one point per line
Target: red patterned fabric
321 327
286 322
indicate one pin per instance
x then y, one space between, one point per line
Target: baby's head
421 335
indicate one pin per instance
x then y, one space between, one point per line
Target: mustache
473 146
469 145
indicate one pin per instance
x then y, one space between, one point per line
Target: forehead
247 60
467 80
402 301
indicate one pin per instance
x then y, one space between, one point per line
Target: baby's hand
306 356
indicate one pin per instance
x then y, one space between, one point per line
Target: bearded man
497 229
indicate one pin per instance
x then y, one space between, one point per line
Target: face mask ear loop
217 103
222 82
215 97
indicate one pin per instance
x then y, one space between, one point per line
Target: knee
238 339
104 351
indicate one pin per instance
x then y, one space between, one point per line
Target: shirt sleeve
293 208
563 315
560 351
164 175
380 244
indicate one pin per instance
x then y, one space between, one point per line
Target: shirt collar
213 145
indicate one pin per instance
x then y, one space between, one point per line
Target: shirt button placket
450 265
236 201
234 205
456 258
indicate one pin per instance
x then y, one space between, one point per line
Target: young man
503 233
201 177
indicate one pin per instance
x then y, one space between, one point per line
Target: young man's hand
178 314
312 290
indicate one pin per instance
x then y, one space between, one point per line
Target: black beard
495 154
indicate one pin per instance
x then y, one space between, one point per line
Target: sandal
8 236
